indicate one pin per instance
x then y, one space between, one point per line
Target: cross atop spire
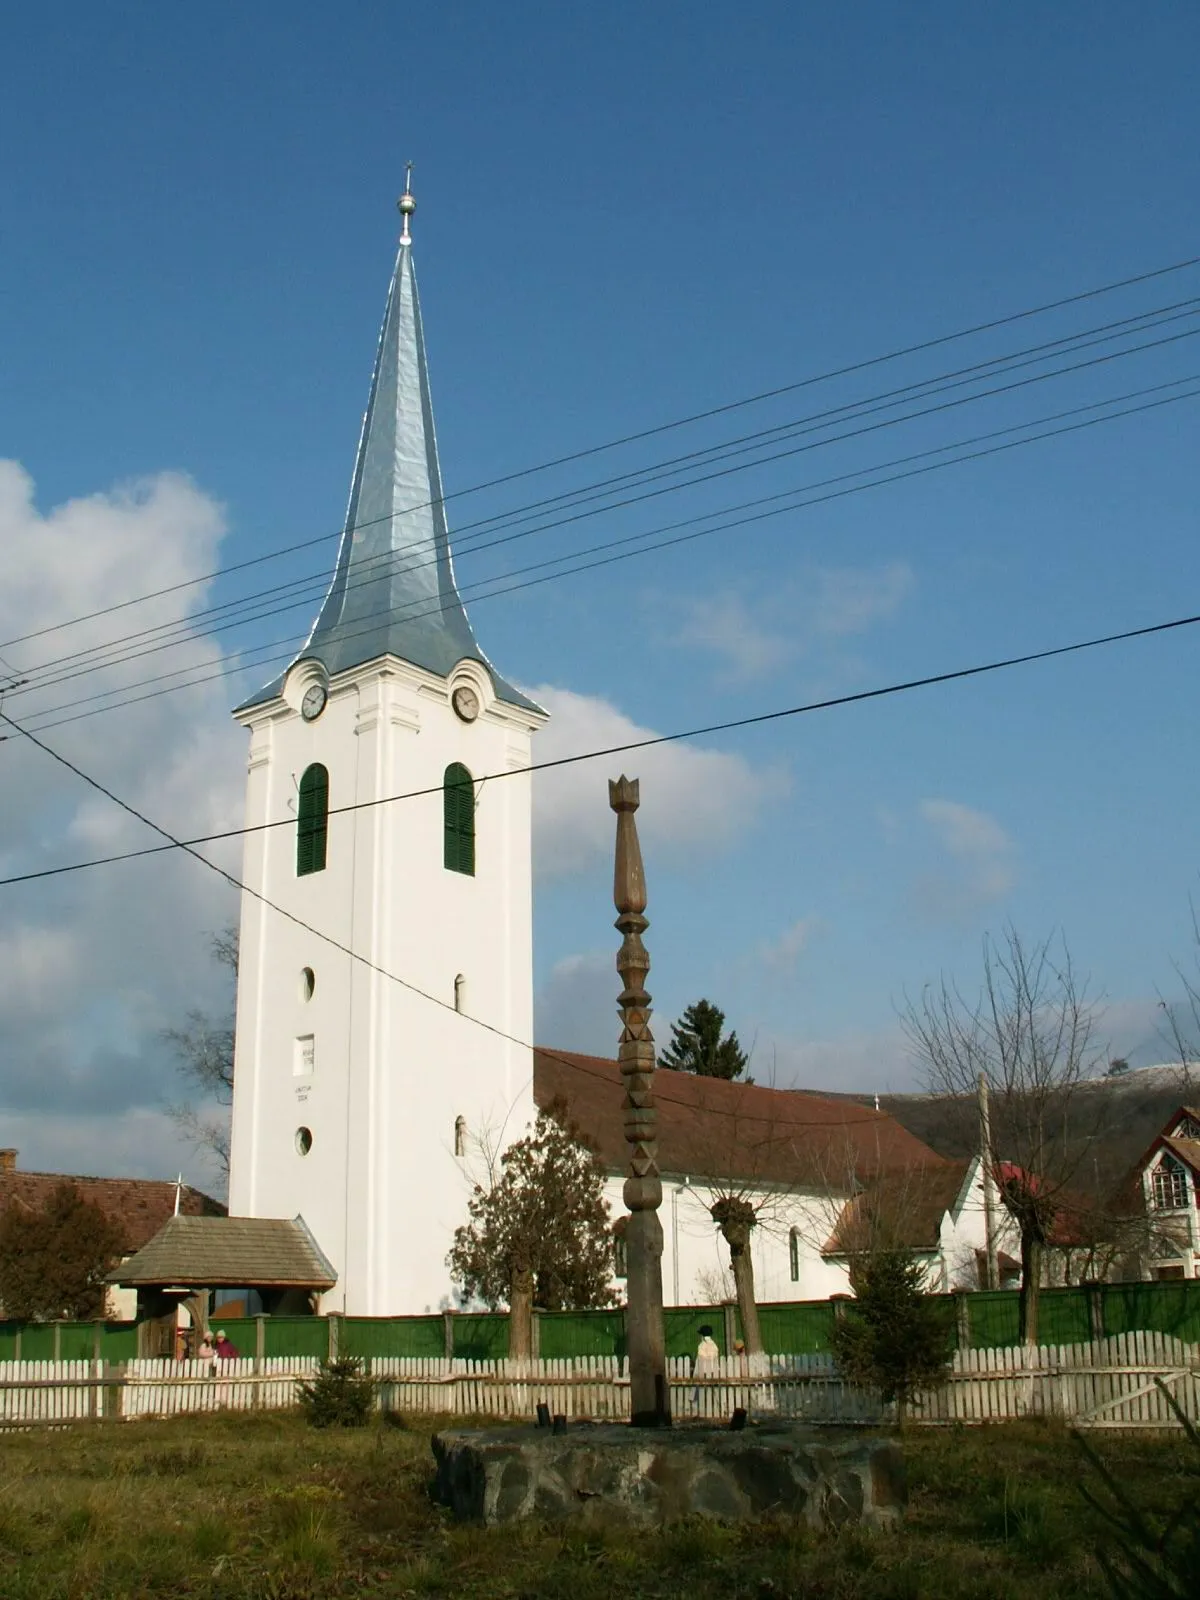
393 590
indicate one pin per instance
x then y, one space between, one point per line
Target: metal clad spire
393 590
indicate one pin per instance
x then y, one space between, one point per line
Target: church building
385 985
386 974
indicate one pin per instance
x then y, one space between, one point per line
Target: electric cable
568 1060
41 717
301 591
858 697
900 353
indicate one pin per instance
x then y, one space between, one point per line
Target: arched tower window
460 993
460 1136
794 1254
312 821
458 808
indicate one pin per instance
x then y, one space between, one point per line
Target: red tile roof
907 1206
138 1206
718 1129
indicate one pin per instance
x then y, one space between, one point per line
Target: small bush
340 1396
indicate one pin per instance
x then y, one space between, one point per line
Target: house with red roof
138 1206
1168 1176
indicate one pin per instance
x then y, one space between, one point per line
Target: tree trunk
520 1316
735 1218
1031 1282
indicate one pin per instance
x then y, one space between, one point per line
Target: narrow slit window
794 1255
312 821
460 1136
458 810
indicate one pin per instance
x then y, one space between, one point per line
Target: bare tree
204 1048
1030 1033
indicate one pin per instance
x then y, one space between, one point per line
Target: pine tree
697 1045
893 1337
540 1235
54 1261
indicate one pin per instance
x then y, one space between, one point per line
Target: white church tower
392 936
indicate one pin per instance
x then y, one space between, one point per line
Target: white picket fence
1107 1384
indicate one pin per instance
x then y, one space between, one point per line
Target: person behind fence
205 1350
226 1350
708 1354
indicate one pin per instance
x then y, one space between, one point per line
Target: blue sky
626 216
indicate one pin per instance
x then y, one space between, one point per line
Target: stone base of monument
610 1473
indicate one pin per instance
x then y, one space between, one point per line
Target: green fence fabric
293 1336
119 1341
395 1336
562 1334
481 1336
788 1328
993 1318
1170 1307
794 1330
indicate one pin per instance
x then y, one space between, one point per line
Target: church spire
393 589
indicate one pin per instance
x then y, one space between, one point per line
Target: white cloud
106 958
576 1006
692 798
744 641
805 620
783 952
982 854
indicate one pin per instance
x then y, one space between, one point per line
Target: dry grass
262 1506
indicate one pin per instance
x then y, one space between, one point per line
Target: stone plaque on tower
650 1403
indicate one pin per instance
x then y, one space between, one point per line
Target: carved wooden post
650 1402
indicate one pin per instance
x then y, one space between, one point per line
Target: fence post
335 1335
17 1343
730 1316
448 1334
1095 1305
962 1320
57 1340
536 1339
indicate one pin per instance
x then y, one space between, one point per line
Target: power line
621 545
82 666
337 944
300 592
858 697
647 433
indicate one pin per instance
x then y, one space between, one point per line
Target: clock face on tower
313 703
465 702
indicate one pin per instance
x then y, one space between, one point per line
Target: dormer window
1170 1184
1188 1128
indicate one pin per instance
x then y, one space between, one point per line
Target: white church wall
696 1257
390 1070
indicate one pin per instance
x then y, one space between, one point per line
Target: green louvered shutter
312 829
458 809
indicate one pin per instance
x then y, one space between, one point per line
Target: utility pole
989 1183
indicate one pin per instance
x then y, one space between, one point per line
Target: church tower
373 1050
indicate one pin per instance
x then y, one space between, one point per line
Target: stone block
611 1473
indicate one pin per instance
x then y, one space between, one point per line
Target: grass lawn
263 1506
